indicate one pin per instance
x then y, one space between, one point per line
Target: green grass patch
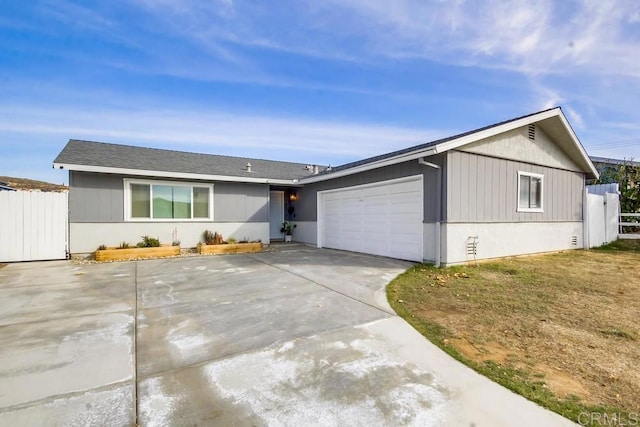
627 245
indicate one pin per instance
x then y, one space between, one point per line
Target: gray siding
306 205
484 189
97 197
236 202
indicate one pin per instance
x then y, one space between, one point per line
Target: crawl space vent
574 240
472 247
531 132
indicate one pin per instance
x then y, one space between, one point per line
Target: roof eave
585 157
369 166
465 140
169 174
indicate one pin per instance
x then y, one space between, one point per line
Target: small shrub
124 245
212 238
244 240
207 236
231 240
175 243
102 247
148 242
287 228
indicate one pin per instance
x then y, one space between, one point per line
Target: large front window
529 192
159 200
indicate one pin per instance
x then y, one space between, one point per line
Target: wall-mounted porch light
293 197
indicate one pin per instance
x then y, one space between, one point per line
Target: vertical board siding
472 193
502 191
306 206
95 197
236 202
485 189
33 226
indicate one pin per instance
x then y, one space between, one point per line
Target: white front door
384 218
276 214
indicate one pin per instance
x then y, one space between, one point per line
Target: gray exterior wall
95 197
306 205
239 202
485 189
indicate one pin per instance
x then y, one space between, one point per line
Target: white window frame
151 183
531 175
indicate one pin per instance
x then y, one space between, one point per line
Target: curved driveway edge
295 336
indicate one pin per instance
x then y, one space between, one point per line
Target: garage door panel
376 227
382 219
375 206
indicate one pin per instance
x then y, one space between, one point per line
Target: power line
614 144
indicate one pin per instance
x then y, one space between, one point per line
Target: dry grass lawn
561 329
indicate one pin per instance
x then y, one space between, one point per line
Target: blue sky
313 82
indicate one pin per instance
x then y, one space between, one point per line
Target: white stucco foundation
306 232
429 242
507 239
86 237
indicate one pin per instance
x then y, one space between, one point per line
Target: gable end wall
515 145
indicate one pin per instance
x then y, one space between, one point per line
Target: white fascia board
496 130
577 143
373 165
165 174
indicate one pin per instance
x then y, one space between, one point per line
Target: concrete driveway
296 336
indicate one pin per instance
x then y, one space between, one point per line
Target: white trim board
165 174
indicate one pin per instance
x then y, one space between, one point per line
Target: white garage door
384 218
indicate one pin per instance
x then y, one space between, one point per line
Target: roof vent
531 132
313 169
248 167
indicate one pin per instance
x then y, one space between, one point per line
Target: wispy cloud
292 139
577 53
532 37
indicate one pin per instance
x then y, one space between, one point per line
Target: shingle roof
90 153
100 154
427 144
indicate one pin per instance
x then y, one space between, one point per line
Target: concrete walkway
296 336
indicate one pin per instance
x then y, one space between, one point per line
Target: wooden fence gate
33 226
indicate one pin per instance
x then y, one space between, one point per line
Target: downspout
438 206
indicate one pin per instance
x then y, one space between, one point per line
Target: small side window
530 192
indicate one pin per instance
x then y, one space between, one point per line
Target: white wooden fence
623 223
33 226
601 213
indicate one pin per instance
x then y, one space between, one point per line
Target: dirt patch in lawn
561 329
